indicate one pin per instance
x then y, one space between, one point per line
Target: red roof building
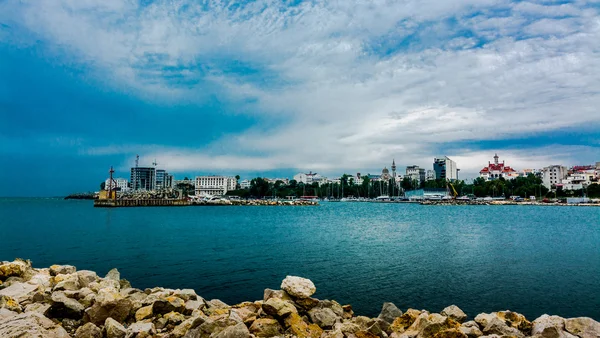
495 170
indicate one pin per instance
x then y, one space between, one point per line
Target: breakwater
62 302
110 203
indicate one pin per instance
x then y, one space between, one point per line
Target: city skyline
270 88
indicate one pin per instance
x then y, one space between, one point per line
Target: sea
529 259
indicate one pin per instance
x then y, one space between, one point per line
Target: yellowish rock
143 313
174 317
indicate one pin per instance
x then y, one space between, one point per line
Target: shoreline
62 302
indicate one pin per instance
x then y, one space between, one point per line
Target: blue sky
274 87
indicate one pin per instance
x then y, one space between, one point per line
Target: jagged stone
31 325
65 307
389 312
71 325
114 329
86 277
186 294
455 313
209 326
124 284
141 330
10 304
113 275
428 325
515 320
496 326
365 334
217 304
41 308
471 329
66 282
403 322
185 327
17 268
62 270
6 313
583 327
88 330
175 317
118 309
550 327
192 305
160 323
237 331
298 287
324 317
166 305
143 313
247 312
269 293
299 328
278 308
266 327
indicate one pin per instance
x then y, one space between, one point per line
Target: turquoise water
528 259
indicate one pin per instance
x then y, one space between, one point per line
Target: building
415 173
143 178
497 170
214 185
445 169
310 178
120 183
430 176
285 181
554 175
163 179
245 184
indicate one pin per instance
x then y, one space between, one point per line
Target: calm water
532 260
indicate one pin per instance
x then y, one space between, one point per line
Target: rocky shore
62 302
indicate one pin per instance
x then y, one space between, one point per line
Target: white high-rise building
445 168
553 175
121 183
214 185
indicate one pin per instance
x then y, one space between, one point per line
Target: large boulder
583 327
114 329
299 328
389 312
236 331
143 313
86 277
471 329
496 326
62 270
278 308
269 293
116 307
402 323
550 327
10 304
186 294
19 291
515 320
324 317
141 330
455 313
65 307
429 325
298 287
66 282
113 275
18 268
266 327
31 325
168 304
88 330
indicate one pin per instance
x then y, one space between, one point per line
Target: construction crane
450 187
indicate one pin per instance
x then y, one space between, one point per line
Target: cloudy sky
272 87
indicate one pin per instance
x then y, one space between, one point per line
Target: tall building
554 175
445 168
497 170
214 185
143 178
430 176
163 179
310 178
415 173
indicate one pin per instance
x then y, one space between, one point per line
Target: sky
272 88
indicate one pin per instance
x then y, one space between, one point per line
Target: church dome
385 171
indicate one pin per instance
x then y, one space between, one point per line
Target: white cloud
351 89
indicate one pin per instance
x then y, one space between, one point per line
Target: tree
237 182
187 189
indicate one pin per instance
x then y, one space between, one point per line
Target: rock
124 284
471 329
484 318
266 327
18 268
31 325
6 313
207 327
428 325
66 282
10 304
298 287
299 328
140 330
86 277
496 326
403 322
247 312
166 305
186 294
62 270
113 275
160 323
583 327
41 280
324 317
450 333
118 309
65 307
216 304
307 303
41 308
389 312
455 313
192 305
88 330
71 325
550 327
515 320
237 331
143 313
268 294
174 317
114 329
188 324
365 334
348 313
346 328
278 308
